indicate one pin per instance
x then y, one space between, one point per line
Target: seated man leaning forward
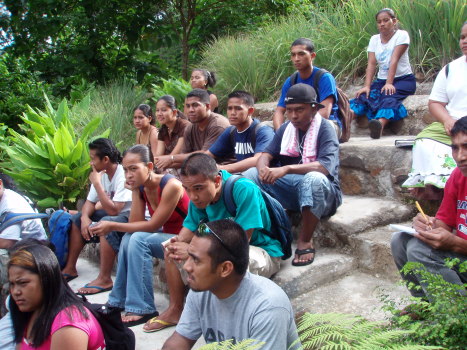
205 128
108 200
300 167
445 235
203 183
245 137
227 302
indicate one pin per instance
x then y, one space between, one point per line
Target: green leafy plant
113 103
178 88
51 161
348 332
18 88
443 320
247 344
259 61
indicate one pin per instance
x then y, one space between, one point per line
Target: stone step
357 293
358 214
374 167
373 252
418 117
329 265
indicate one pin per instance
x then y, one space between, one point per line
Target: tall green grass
114 102
259 61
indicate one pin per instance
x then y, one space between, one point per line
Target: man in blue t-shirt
302 54
300 167
246 138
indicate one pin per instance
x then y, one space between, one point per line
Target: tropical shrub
442 321
113 103
349 332
51 161
259 61
178 88
18 88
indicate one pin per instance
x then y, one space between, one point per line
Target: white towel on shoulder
290 141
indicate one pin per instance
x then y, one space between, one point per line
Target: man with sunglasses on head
227 302
205 128
204 185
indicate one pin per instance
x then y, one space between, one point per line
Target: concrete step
373 252
329 265
374 167
358 214
357 293
417 107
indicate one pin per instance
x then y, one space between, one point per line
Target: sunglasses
204 230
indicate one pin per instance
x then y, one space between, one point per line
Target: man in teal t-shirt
204 185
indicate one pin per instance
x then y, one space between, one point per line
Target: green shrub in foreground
51 163
259 62
443 321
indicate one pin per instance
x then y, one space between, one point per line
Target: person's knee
397 243
417 251
251 174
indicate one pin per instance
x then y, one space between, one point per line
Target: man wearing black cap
300 166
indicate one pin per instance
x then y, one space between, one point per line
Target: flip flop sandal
69 277
143 319
301 252
165 324
99 290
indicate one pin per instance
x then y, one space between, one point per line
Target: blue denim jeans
133 286
407 248
296 191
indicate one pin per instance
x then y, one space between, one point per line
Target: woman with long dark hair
45 312
167 203
144 121
173 123
381 100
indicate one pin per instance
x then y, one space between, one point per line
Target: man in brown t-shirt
203 131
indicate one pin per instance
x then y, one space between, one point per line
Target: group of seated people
164 199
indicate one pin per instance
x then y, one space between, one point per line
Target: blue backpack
59 228
280 223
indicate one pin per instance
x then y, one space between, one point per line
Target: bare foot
131 317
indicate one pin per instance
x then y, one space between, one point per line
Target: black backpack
343 104
280 223
117 336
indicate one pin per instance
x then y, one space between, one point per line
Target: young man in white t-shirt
13 202
108 200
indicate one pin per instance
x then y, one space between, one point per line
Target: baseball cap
302 93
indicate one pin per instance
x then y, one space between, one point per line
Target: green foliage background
259 61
